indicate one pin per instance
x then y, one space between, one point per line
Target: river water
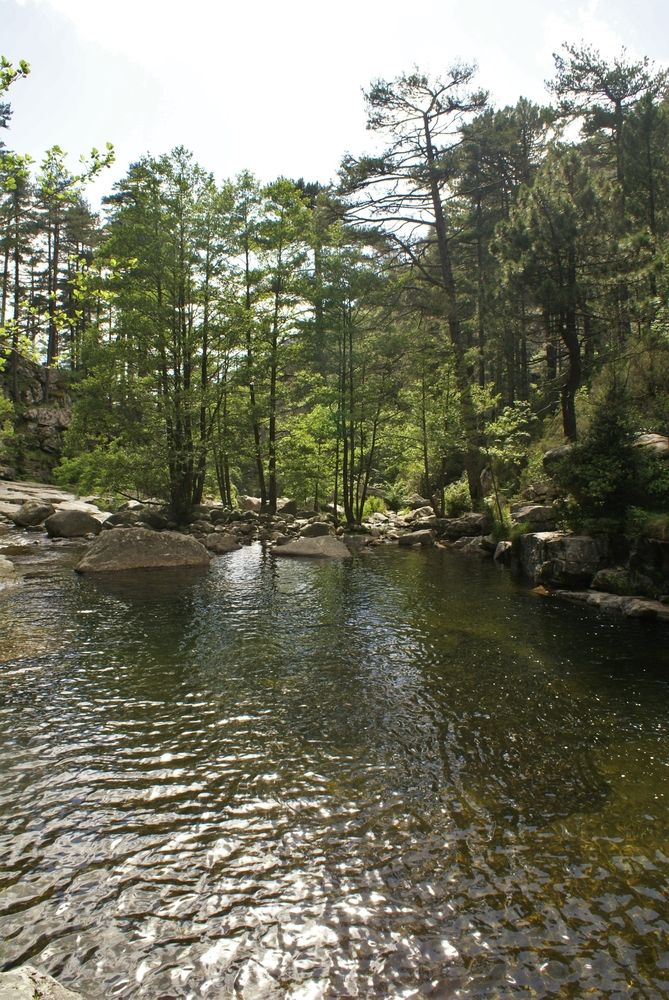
398 776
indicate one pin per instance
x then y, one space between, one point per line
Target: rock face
138 548
562 560
323 547
28 983
72 524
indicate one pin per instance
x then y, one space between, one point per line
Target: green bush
373 505
457 500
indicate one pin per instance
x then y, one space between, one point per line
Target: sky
275 87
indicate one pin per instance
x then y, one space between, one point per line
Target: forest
485 284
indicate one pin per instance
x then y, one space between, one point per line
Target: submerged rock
140 548
323 546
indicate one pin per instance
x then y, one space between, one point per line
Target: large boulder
323 547
140 548
563 560
32 512
72 524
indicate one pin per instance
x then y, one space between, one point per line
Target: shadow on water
395 776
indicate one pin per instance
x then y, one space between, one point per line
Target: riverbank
40 525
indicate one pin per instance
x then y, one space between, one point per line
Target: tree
401 194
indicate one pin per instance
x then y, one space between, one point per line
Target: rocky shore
40 523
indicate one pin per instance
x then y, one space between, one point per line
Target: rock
618 580
72 524
286 506
220 515
540 517
650 558
321 546
503 553
425 522
468 524
6 567
416 502
425 511
630 607
154 519
473 545
201 528
424 537
315 529
140 548
122 519
32 512
28 983
552 458
250 503
560 559
658 444
221 542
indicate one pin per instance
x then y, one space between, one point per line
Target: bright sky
274 86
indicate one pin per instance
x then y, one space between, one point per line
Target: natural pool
397 776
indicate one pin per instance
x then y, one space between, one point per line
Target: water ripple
387 778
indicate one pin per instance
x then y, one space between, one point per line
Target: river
398 776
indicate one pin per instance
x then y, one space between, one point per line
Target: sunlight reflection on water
396 777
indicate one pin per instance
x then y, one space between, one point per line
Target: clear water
402 776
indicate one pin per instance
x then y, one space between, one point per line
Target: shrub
600 471
457 500
373 505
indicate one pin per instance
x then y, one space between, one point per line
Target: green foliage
395 496
373 505
457 500
647 523
605 473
